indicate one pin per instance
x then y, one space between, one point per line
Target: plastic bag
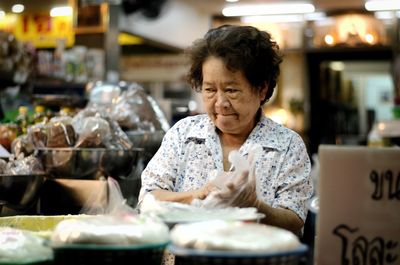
119 139
22 145
60 132
135 110
109 230
95 132
115 205
22 247
313 203
23 165
112 222
3 165
242 177
37 134
174 212
97 129
90 111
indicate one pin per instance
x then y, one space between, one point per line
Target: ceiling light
272 19
61 11
231 1
17 8
337 66
384 14
267 9
378 5
329 39
369 38
315 16
2 14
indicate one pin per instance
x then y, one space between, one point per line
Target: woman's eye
231 90
209 90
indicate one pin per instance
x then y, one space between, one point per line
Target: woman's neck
237 140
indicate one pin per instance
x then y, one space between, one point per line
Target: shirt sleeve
161 171
294 184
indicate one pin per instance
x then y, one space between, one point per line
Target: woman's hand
203 192
241 192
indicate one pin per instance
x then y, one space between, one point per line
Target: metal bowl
89 163
149 141
20 192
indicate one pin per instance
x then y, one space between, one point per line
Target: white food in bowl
233 236
109 230
20 247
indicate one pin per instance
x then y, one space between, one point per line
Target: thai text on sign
42 30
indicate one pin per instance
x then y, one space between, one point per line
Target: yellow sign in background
42 30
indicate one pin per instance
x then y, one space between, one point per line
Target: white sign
358 222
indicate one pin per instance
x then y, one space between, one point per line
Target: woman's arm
280 217
183 197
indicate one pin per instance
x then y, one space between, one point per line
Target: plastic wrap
37 134
22 247
3 165
115 224
313 203
119 139
101 148
95 132
23 166
97 129
237 187
110 230
135 110
173 212
89 111
22 145
233 236
60 132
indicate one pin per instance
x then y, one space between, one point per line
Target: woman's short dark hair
242 48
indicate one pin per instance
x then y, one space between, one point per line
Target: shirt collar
266 133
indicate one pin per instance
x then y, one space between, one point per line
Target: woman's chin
226 127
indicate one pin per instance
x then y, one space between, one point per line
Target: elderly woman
235 68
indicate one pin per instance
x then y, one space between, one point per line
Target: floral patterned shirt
191 149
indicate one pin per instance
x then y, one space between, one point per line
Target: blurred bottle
49 114
375 139
22 120
40 114
66 111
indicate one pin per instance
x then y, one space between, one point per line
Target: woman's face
229 98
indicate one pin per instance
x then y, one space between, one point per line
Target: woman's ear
263 92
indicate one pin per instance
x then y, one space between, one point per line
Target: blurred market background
339 82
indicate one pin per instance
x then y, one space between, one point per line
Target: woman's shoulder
277 133
190 121
278 128
190 125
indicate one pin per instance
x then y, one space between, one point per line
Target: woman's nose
222 101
